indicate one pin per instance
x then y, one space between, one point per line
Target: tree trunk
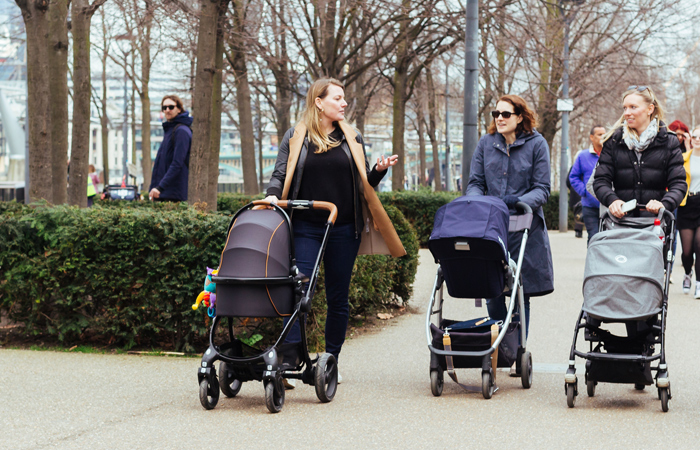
35 14
81 14
420 118
58 86
202 101
215 139
245 114
283 86
432 120
145 52
104 120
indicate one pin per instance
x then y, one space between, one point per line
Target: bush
551 212
128 276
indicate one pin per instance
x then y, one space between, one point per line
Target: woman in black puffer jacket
641 159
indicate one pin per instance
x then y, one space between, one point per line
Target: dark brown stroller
258 277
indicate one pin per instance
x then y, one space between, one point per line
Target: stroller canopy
470 241
624 275
481 217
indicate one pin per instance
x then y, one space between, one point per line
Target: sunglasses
638 88
170 107
505 114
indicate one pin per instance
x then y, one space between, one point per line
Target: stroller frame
658 328
514 283
265 366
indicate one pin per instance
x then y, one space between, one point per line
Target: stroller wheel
326 378
437 381
570 395
229 385
590 387
526 370
209 393
663 395
487 384
639 386
274 396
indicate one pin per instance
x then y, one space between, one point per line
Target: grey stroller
625 282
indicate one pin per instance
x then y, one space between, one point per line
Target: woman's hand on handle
615 208
384 163
654 206
271 199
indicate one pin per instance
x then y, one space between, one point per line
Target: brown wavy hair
176 99
521 108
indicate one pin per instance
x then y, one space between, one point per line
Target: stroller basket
470 241
624 275
255 277
475 341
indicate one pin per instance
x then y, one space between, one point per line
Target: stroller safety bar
304 204
234 280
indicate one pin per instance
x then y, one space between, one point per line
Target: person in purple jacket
584 163
171 167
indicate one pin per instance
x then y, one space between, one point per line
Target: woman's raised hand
384 163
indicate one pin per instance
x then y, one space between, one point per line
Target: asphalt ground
93 401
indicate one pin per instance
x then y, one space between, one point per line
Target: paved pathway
83 401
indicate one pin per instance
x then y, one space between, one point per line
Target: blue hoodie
584 163
171 167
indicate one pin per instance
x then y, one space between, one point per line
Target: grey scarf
640 144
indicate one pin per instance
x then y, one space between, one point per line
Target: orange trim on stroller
267 258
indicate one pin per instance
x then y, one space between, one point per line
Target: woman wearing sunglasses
171 167
689 215
640 159
511 162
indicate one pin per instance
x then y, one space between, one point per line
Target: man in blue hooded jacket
171 167
584 163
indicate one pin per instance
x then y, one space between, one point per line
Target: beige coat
378 234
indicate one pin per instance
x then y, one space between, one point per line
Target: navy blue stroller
470 243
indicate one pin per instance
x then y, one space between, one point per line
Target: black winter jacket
279 173
657 175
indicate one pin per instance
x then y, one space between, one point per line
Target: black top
657 175
327 177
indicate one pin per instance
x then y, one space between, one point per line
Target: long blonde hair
649 98
312 115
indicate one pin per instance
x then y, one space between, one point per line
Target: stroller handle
304 204
523 207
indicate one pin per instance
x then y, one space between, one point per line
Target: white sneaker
687 282
697 289
340 379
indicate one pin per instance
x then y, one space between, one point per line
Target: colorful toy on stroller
258 277
470 243
625 282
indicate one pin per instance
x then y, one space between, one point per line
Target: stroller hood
624 275
470 241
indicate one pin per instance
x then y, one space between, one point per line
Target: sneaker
289 383
697 289
340 379
687 282
670 280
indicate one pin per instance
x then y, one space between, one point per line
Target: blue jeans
339 259
591 219
498 311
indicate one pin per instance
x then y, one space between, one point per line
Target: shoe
670 280
579 233
340 379
687 282
289 383
513 372
697 289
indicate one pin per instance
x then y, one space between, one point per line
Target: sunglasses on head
638 88
170 107
505 114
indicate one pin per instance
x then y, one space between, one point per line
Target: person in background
683 134
511 162
171 167
689 215
93 180
584 164
575 205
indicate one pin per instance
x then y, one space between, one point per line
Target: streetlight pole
565 105
470 131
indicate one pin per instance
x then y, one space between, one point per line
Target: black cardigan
657 175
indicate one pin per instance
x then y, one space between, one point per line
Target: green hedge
128 276
551 213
